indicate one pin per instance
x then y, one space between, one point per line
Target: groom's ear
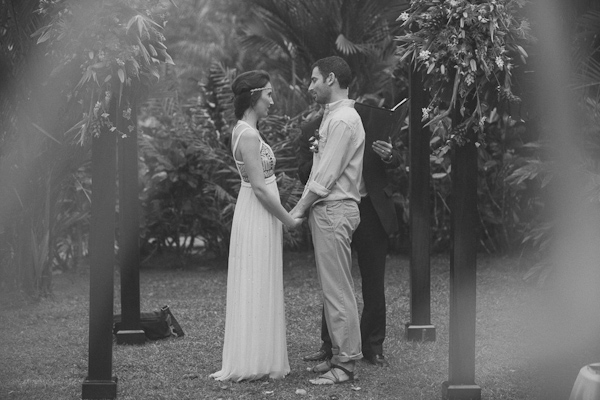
331 78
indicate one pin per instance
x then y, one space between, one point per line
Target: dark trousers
370 242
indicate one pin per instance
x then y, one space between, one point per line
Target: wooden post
419 327
100 384
129 253
463 273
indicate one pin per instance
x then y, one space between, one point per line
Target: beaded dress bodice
266 154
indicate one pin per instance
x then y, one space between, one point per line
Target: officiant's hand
383 149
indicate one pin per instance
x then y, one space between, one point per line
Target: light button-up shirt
337 166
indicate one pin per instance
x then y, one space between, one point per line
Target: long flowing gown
255 337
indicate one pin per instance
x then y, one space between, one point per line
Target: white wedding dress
255 337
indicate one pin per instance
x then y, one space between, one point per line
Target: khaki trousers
332 224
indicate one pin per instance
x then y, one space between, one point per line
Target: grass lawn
44 347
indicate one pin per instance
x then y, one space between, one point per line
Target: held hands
383 149
296 224
296 213
297 218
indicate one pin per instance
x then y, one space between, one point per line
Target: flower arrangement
467 51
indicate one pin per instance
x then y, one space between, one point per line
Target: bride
255 337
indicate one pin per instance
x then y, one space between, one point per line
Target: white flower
424 55
314 143
477 144
499 62
426 112
469 79
404 16
453 3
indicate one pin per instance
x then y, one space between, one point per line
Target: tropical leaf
585 50
296 34
346 46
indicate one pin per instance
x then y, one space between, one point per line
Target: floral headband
249 91
259 89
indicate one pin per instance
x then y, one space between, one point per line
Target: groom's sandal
322 367
333 377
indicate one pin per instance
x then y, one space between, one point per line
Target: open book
381 123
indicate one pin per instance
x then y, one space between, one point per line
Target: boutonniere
314 142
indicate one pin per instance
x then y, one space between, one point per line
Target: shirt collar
339 104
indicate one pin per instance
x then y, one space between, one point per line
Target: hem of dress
218 376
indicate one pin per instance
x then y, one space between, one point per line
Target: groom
378 220
331 196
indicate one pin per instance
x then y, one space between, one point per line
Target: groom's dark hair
338 66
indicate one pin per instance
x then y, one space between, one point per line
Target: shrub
189 175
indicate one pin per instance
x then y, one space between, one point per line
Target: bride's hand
296 224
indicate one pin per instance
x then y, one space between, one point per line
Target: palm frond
586 53
359 31
589 22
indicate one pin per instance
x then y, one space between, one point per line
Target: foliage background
187 179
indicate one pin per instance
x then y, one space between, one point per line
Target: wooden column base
423 333
99 389
460 392
131 337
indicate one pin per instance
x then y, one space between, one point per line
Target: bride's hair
242 88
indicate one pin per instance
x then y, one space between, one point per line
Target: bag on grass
159 324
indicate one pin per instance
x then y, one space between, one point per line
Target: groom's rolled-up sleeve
334 159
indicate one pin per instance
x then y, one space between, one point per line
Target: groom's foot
338 373
321 368
320 355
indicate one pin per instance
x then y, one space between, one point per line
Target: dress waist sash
268 181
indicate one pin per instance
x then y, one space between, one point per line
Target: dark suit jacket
379 124
374 174
304 157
